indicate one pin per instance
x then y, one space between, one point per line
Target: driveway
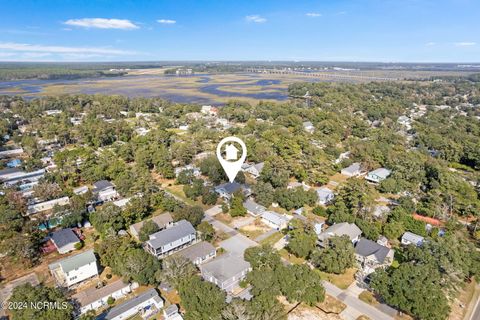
237 244
213 211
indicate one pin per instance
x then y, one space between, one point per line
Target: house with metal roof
199 252
378 175
226 271
409 238
171 313
371 255
146 304
275 220
47 205
95 298
64 240
353 170
163 221
165 242
340 229
325 195
253 208
75 269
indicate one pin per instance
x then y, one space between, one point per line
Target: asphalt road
476 311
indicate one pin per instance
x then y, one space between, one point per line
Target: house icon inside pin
232 152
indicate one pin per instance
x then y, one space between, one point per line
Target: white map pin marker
231 167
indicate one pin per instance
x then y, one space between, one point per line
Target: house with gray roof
254 169
94 298
146 304
253 208
163 221
64 240
409 238
74 269
171 313
274 220
353 170
340 229
226 190
371 256
165 242
226 271
378 175
325 195
199 252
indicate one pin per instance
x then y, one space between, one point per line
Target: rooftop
179 230
274 217
198 250
367 248
74 262
340 229
64 237
225 267
90 295
132 303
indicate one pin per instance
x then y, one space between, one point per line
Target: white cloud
431 43
465 44
101 23
255 18
23 47
313 14
166 21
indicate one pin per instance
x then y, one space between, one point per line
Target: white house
371 255
378 175
409 238
274 220
105 191
95 298
254 169
74 269
165 242
226 271
325 195
64 240
353 170
147 304
171 313
47 205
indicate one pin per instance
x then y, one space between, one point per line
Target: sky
227 30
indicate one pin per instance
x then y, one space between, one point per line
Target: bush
78 245
110 300
320 211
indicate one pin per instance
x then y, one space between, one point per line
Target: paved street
356 305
